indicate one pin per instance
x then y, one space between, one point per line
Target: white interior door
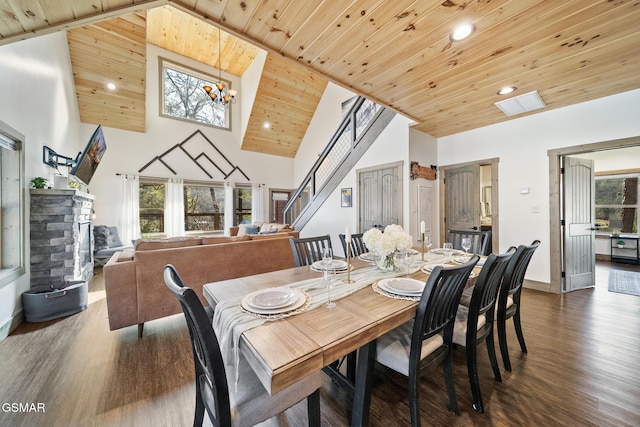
462 200
380 197
579 229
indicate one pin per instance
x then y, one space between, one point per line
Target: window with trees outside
617 203
183 97
152 195
241 204
12 230
204 207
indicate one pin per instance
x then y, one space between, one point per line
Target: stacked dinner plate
336 264
274 301
368 257
404 286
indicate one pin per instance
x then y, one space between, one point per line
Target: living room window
152 197
617 203
242 204
204 207
183 97
11 205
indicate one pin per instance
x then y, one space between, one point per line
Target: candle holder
422 245
349 280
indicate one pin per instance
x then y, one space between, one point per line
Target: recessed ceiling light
462 32
111 86
506 90
266 125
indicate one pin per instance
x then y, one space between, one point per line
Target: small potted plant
39 182
620 244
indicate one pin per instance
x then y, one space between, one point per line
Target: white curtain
228 206
130 215
257 203
174 208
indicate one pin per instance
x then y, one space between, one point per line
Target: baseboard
7 327
538 286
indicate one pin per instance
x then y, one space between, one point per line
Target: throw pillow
100 237
252 229
114 238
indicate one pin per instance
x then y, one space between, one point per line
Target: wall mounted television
87 162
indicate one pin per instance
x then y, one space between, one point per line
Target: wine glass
329 279
428 242
327 257
466 245
448 250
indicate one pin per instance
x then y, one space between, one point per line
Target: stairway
356 133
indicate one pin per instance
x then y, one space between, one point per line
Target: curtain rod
164 178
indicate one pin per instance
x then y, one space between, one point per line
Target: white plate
367 256
336 264
429 268
302 298
440 251
402 286
461 259
272 298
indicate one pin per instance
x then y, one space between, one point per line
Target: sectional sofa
134 283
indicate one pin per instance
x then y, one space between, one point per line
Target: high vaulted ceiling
399 53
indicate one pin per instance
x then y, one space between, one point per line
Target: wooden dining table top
283 351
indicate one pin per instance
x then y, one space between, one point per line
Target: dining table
284 346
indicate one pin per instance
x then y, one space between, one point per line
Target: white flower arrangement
385 244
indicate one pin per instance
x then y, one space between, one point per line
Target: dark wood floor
581 370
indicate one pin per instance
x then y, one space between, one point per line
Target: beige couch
134 283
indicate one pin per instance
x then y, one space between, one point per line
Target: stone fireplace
61 236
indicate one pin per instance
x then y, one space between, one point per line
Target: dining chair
307 250
479 240
510 297
426 341
243 404
474 323
357 244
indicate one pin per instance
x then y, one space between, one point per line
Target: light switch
524 190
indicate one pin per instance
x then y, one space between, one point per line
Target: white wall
423 149
38 100
391 146
522 144
127 152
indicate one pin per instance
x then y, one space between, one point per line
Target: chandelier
219 94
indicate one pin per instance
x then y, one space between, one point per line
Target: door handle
474 228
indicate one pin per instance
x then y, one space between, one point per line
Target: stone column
61 223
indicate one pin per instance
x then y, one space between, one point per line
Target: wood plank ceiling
399 53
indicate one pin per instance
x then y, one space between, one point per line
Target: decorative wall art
345 198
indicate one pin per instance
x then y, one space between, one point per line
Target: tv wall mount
53 159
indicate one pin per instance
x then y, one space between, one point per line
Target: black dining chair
509 300
474 323
244 404
479 240
426 341
307 250
357 244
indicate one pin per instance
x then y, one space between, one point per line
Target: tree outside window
617 203
242 205
183 96
152 208
204 207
